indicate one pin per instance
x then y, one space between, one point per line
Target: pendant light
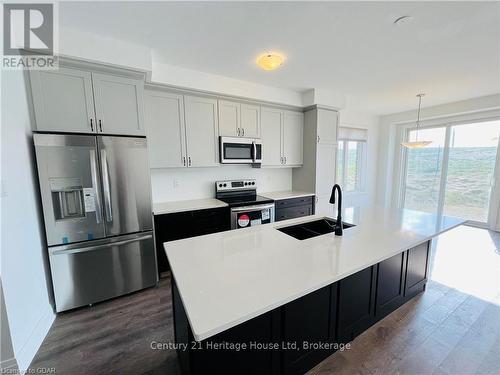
416 143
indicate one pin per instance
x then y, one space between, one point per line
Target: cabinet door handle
285 159
92 125
189 160
184 160
239 132
100 125
243 130
318 138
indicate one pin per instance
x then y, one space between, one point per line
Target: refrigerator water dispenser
67 198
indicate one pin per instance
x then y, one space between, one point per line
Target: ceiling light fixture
416 143
270 61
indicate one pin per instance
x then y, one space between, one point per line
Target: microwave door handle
106 188
95 185
254 146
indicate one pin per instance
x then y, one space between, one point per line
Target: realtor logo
28 41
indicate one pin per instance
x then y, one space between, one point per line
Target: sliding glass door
454 175
423 171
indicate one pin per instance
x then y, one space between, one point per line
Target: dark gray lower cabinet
307 321
416 270
294 207
390 285
356 302
332 315
179 225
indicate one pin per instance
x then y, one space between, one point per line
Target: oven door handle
252 208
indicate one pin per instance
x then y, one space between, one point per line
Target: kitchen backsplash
195 183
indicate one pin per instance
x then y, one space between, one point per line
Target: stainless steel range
247 208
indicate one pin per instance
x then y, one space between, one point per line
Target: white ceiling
451 50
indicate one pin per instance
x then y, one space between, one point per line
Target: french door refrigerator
96 202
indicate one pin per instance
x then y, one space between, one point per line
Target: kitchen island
257 300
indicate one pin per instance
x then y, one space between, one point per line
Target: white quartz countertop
227 278
186 205
286 194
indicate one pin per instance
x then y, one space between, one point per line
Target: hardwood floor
113 337
452 328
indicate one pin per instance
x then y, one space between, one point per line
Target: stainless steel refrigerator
98 220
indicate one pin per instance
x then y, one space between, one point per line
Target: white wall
193 79
358 119
89 46
22 240
388 149
7 359
197 183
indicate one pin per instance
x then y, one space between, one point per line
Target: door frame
400 177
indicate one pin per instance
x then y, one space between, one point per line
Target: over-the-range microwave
236 150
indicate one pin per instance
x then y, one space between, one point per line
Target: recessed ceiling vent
401 21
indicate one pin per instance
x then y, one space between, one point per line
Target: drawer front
302 201
293 212
94 273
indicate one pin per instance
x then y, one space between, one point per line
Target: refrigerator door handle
106 187
74 249
95 185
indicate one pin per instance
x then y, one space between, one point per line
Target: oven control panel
234 185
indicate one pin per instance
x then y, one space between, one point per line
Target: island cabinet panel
390 285
256 334
416 270
356 303
309 319
179 225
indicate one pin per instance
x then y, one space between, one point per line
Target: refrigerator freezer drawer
102 269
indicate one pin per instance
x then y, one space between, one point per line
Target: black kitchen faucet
338 225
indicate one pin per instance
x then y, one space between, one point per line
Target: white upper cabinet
229 118
293 135
282 137
165 129
327 126
250 120
79 101
201 131
63 100
239 119
119 104
181 130
271 131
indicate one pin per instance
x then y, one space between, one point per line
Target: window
454 175
351 159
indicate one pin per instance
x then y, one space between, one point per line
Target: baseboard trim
9 364
28 351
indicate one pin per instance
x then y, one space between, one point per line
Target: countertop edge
286 194
191 205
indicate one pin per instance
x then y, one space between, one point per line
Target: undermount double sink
311 229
